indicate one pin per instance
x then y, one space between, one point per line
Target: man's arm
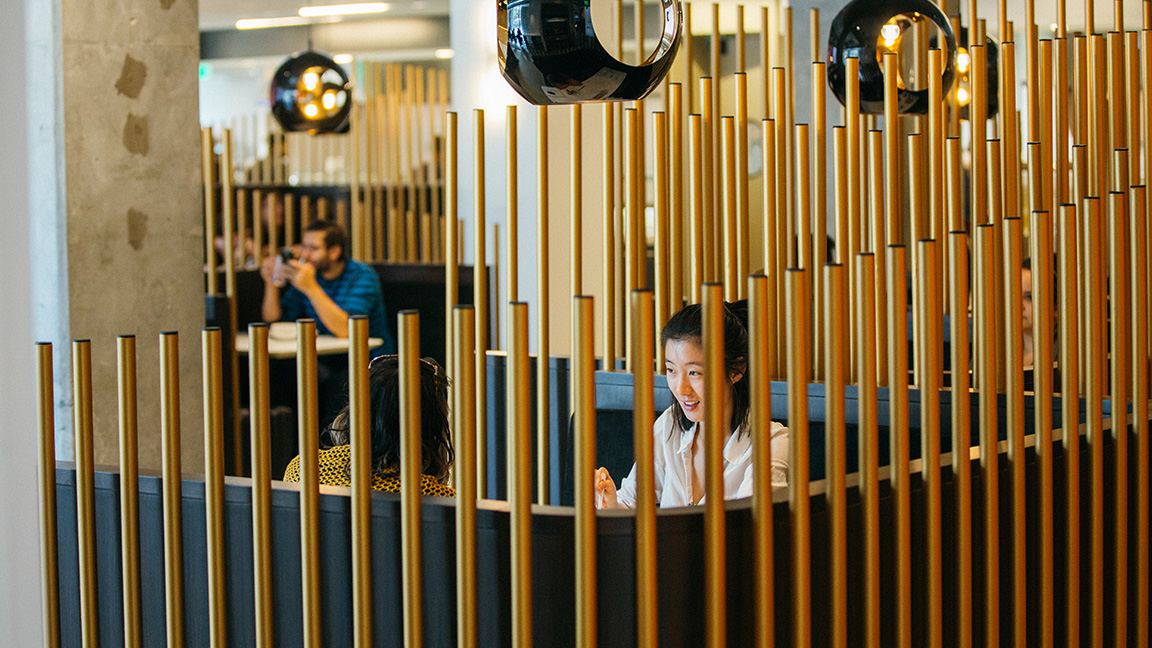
270 307
331 316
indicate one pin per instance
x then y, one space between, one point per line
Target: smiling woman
678 434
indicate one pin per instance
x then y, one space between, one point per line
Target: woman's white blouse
672 451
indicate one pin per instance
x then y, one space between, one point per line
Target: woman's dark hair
688 325
384 401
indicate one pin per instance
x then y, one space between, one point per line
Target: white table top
281 348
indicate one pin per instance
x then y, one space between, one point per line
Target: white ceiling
223 14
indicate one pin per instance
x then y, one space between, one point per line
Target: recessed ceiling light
262 23
445 53
342 59
344 9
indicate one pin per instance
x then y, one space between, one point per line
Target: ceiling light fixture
445 53
342 59
263 23
344 9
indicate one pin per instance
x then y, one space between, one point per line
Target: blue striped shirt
356 291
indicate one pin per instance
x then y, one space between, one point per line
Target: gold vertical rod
213 379
308 426
869 443
260 442
577 196
129 486
584 421
961 433
713 98
789 105
765 57
1120 355
1132 117
728 261
1047 121
1010 150
86 490
46 458
819 183
715 428
898 423
773 264
1146 100
451 231
543 310
410 477
893 168
709 184
1138 248
258 226
985 369
937 190
360 433
1089 17
644 408
209 180
760 350
917 192
480 302
878 243
464 437
695 168
1097 115
929 340
610 243
227 194
520 473
1012 236
1070 411
798 498
513 214
843 241
1095 367
1043 321
978 108
741 54
836 377
743 246
637 239
784 244
677 211
952 155
1118 121
803 228
170 453
1060 70
661 177
855 156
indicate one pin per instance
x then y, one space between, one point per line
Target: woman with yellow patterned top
384 401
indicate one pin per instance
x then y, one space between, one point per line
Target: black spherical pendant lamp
868 29
550 54
312 93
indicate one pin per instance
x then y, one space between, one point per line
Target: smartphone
284 257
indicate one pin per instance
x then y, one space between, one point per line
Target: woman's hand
605 489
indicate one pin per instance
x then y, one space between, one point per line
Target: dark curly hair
384 402
688 325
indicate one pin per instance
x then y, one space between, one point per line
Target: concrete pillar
115 203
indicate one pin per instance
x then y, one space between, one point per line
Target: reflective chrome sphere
311 92
867 29
550 54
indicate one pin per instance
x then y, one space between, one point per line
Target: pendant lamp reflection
868 29
311 92
964 76
550 54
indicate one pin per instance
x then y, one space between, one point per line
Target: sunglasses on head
437 370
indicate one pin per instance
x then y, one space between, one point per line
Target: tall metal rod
937 189
869 442
878 243
512 220
898 423
129 487
46 465
676 215
836 377
584 422
728 260
819 189
978 110
1119 355
170 454
1010 163
309 434
961 432
610 242
543 309
577 199
773 264
464 438
213 379
520 472
893 168
1138 249
480 303
743 245
929 358
803 231
760 349
647 628
696 225
663 259
1095 370
798 498
411 462
360 460
1070 411
844 251
1014 361
451 229
709 184
1043 336
209 180
85 489
637 253
715 433
260 444
985 370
